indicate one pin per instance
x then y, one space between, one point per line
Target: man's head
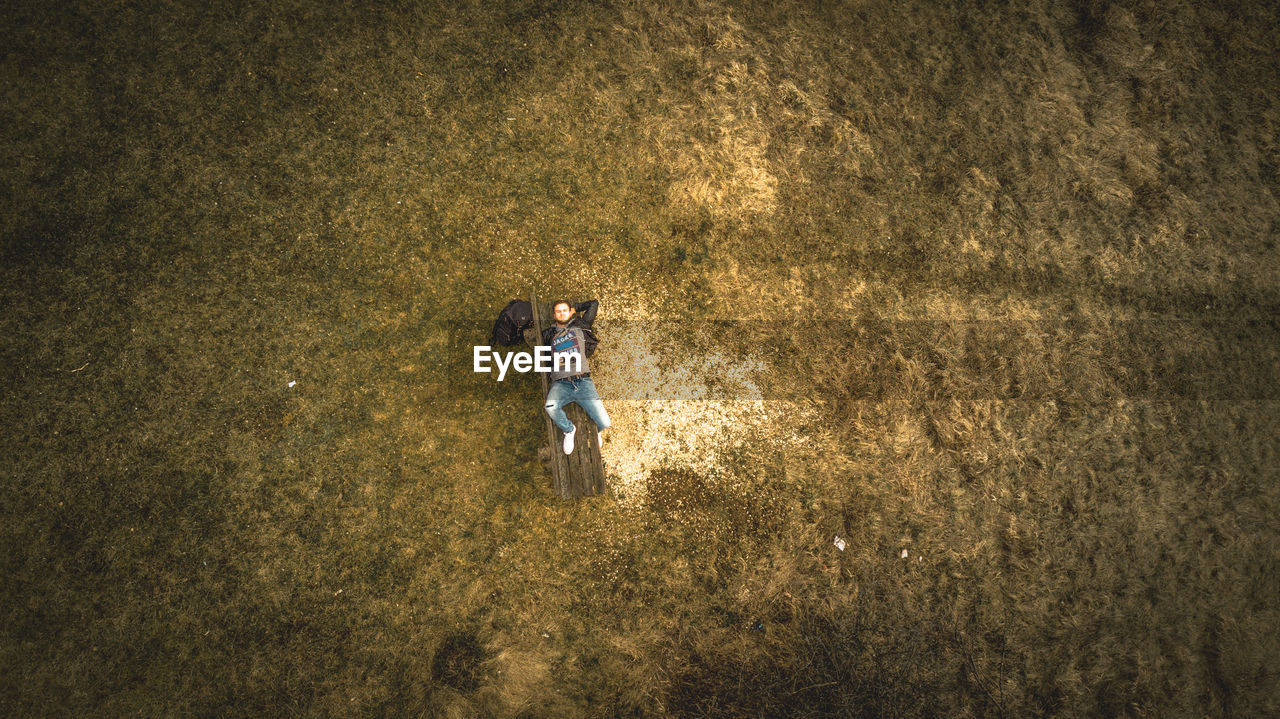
563 311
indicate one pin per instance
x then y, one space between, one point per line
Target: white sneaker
568 441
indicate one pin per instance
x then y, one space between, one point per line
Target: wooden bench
580 474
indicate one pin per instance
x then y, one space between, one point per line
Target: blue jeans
582 391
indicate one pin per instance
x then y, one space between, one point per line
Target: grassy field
1000 284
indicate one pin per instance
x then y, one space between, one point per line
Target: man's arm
587 311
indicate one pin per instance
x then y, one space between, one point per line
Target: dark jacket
584 318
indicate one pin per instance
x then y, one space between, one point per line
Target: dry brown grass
1009 272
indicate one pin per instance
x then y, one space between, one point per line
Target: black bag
514 319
